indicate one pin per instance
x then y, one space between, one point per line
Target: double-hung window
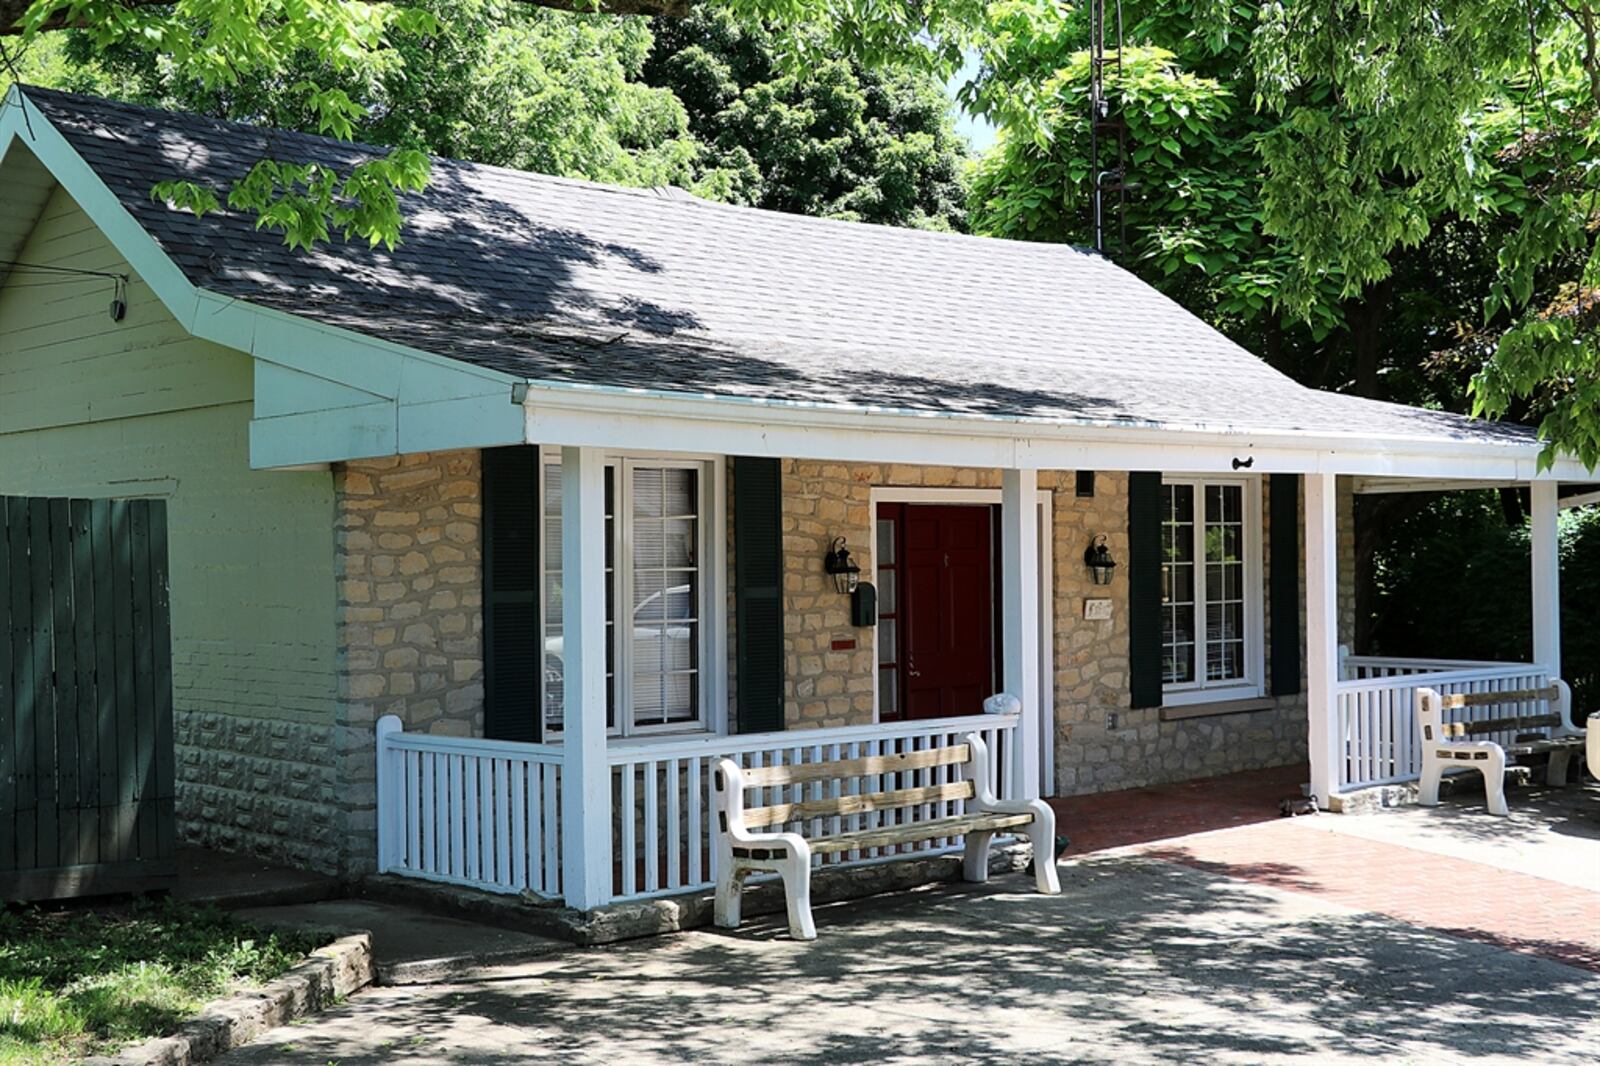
656 573
1211 607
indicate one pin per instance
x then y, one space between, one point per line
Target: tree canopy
579 95
1297 161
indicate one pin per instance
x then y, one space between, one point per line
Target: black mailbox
864 605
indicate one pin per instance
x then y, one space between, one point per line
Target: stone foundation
260 786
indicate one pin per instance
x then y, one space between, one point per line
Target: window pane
888 592
680 493
889 691
886 542
887 636
1177 583
678 542
665 637
1224 584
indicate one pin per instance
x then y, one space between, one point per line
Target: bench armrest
983 797
729 790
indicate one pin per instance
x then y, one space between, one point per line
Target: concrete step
412 946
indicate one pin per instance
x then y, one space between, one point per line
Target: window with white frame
656 528
1210 588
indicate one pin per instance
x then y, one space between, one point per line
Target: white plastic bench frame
1441 752
792 861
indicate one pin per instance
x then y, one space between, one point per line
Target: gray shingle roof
560 280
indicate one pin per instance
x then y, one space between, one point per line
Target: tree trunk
1514 506
1366 320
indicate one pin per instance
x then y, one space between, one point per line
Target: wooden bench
1448 746
741 852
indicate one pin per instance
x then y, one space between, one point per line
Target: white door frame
1047 689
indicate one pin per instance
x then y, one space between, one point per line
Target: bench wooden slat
901 834
1500 725
866 766
1483 699
779 813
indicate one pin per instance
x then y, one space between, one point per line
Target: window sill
1218 707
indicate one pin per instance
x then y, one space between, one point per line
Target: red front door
947 660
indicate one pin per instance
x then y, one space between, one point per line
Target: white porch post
1019 598
585 777
1322 633
1546 578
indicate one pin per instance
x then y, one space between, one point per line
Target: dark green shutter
758 593
511 636
1144 588
1284 582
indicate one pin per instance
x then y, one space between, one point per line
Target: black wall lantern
846 574
1097 557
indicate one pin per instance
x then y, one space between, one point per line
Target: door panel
947 610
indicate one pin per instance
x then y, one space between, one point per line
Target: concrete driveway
1141 959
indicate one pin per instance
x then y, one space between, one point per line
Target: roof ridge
688 201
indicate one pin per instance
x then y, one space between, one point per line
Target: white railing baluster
550 835
527 864
674 828
1377 709
469 817
430 803
652 829
457 817
692 823
628 811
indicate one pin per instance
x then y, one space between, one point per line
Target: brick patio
1231 826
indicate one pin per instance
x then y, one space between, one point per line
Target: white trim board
1046 510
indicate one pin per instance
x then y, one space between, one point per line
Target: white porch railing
664 845
1376 701
483 813
486 813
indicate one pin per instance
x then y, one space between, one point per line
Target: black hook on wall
1244 463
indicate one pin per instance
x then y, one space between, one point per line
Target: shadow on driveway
1137 961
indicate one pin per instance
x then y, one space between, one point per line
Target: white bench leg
1428 786
796 873
975 859
1042 835
1494 781
1556 775
730 897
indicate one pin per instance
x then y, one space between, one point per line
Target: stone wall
410 561
1101 742
410 624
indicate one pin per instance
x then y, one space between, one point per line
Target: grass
75 983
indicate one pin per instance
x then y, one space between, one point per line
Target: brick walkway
1466 899
1231 826
1136 815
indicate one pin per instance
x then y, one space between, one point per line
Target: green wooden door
87 773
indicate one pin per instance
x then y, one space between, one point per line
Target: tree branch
11 11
